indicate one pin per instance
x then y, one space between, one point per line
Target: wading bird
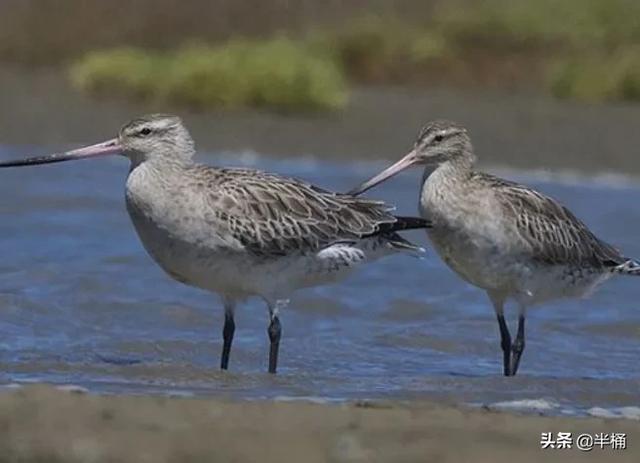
240 232
505 238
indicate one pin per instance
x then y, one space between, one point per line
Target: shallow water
81 303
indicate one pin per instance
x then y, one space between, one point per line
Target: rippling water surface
81 303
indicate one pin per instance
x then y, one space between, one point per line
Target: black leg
274 331
518 346
505 343
227 335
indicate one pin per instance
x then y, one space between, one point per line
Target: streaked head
144 138
155 135
441 141
438 142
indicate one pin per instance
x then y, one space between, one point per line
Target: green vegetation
578 49
128 71
278 74
588 47
373 49
576 24
613 77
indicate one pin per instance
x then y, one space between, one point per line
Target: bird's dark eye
438 138
145 131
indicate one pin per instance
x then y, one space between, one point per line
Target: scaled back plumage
272 215
553 233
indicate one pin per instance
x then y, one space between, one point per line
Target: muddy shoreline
38 108
40 423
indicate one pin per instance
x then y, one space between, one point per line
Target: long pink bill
389 172
106 148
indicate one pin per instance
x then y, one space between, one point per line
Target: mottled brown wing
272 215
553 234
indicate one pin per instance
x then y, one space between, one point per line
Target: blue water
81 303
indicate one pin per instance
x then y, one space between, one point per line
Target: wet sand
44 424
508 129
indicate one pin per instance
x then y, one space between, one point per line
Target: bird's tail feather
399 243
409 223
388 232
401 224
628 267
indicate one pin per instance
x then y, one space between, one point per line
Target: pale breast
469 235
180 233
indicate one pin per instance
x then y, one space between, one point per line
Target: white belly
490 266
475 258
232 271
544 283
200 266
